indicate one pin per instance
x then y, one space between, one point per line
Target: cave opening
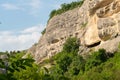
94 45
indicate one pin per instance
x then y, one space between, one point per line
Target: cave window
55 41
94 45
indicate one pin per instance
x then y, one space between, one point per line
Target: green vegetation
13 62
65 7
71 45
66 65
43 32
84 24
108 70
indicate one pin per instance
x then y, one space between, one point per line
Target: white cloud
9 6
32 29
30 6
35 6
20 41
5 32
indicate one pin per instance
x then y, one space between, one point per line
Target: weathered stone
110 46
109 10
107 28
91 35
96 4
96 24
105 23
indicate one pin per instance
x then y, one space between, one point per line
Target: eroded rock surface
96 24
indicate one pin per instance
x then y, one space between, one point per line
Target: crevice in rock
55 41
62 38
70 35
94 45
76 34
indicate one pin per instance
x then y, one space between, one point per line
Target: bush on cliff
65 7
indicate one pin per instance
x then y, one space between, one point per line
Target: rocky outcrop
91 35
110 45
96 24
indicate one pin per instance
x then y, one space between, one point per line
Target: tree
71 45
12 63
63 62
77 66
96 58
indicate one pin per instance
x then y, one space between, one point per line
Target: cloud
35 6
32 29
31 6
21 40
9 6
5 32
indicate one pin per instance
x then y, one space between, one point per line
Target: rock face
96 24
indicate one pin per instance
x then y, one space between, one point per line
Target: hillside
95 24
66 65
80 42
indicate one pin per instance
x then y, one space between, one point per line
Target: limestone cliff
96 24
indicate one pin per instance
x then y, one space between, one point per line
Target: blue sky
23 20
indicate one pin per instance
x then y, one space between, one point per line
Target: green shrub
43 32
64 59
71 45
84 24
63 62
65 7
76 67
96 59
14 63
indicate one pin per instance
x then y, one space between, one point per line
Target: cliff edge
96 24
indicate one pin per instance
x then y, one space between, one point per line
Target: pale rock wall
96 24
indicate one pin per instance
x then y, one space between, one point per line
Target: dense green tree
71 45
96 58
77 66
13 63
63 62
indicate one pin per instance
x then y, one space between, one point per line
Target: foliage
65 7
77 66
71 66
71 45
43 32
108 70
31 73
84 24
96 59
12 63
63 62
68 65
